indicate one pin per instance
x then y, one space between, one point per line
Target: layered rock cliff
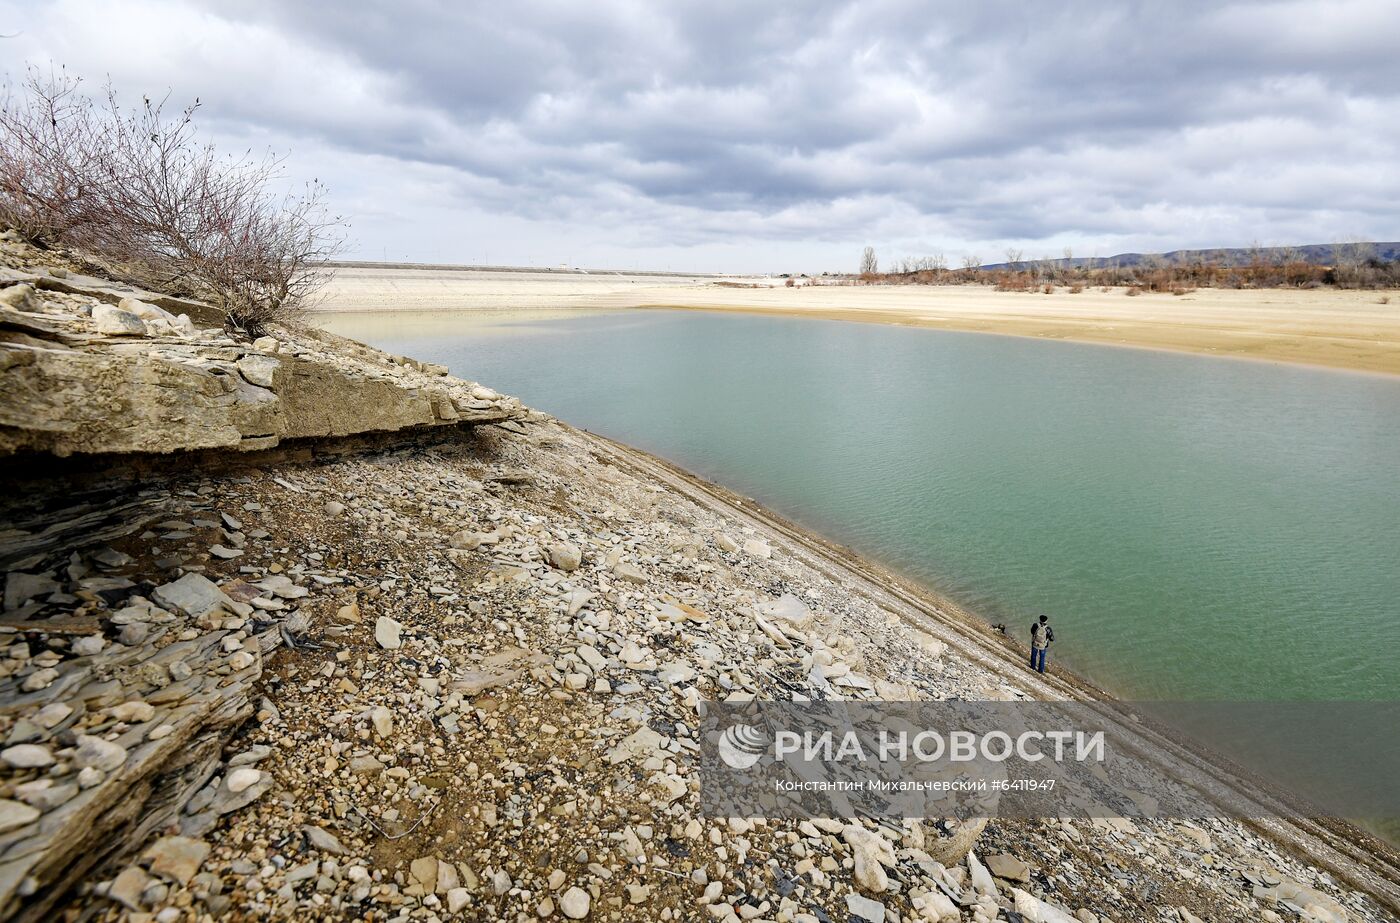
95 367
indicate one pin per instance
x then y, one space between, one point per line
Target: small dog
999 627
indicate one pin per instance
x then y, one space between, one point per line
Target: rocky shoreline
425 665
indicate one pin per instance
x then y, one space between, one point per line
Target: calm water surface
1195 527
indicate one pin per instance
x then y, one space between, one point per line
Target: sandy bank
1338 329
360 288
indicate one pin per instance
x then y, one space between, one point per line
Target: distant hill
1318 254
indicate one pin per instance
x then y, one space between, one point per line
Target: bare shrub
1048 289
869 264
1133 291
1384 299
137 189
50 153
1076 288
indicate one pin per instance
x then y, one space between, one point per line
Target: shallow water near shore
1195 527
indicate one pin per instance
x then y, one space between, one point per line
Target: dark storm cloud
896 122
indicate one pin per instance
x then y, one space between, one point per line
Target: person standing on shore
1041 636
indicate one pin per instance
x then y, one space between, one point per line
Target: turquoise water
1195 527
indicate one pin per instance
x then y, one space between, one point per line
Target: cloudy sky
736 135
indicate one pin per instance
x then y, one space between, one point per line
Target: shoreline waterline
1357 330
896 319
1149 497
511 317
925 609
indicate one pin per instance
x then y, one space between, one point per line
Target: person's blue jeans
1038 659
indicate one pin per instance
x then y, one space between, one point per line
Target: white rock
466 540
334 507
53 714
193 595
589 655
144 309
20 297
457 898
254 754
127 887
324 840
865 908
88 645
447 879
258 370
382 719
133 712
933 647
386 632
14 814
566 556
981 879
114 321
758 548
21 587
786 608
424 870
630 572
870 853
242 778
96 753
44 795
675 673
26 756
176 858
575 903
39 679
1035 910
936 906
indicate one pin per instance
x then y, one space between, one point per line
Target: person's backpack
1037 633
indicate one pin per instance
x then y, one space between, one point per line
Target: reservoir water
1195 527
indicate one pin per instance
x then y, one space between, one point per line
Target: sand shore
1339 329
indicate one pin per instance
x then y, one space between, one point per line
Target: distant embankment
1316 254
552 270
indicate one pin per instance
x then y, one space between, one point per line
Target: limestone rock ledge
91 366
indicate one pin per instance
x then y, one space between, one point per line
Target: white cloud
721 135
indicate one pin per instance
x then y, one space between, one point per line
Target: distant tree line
1353 265
138 192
